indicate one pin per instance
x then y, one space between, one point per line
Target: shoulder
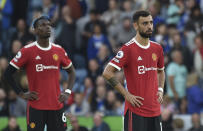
29 46
56 46
155 44
172 66
129 43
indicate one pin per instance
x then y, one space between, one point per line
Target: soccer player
143 63
42 61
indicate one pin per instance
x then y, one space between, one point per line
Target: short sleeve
171 70
65 61
20 59
160 63
121 59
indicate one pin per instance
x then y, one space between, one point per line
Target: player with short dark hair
42 61
143 63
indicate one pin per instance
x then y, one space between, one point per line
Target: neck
143 41
43 42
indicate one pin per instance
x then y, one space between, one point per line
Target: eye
145 23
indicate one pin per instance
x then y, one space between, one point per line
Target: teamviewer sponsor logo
143 69
40 67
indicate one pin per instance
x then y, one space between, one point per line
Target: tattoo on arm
113 82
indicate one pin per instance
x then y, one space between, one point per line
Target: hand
30 95
134 100
160 97
63 96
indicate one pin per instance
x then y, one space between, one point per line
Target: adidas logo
37 57
139 58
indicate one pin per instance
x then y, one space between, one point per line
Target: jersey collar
141 46
42 48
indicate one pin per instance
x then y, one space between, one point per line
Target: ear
135 25
34 31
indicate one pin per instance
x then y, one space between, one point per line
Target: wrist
160 89
68 91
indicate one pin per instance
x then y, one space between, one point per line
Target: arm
172 86
71 80
161 81
8 77
161 78
109 75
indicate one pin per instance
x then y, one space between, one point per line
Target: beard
145 35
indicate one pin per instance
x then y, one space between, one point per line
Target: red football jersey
140 64
42 67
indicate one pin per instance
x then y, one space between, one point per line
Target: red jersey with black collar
42 67
140 65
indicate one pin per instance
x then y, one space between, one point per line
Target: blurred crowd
92 31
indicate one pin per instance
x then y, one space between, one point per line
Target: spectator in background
154 9
22 33
111 17
75 124
65 31
100 81
196 126
177 75
15 47
195 22
175 10
3 65
198 57
93 69
178 124
3 103
101 5
98 99
12 125
77 10
161 36
187 58
167 109
17 105
103 56
99 124
194 94
127 9
89 29
50 9
124 31
88 88
110 103
80 106
119 106
96 41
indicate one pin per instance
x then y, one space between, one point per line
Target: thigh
158 123
154 123
133 122
35 119
56 120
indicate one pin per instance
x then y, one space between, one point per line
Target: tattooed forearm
112 81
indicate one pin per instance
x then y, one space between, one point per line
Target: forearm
113 82
8 77
71 77
171 82
110 78
161 79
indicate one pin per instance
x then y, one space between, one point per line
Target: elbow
105 74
